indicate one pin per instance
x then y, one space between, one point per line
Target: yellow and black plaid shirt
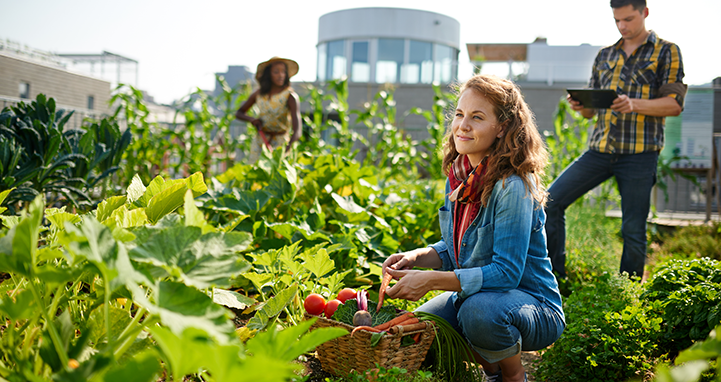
655 63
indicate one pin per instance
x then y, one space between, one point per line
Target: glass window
322 56
360 69
91 102
390 60
24 90
445 64
336 64
419 68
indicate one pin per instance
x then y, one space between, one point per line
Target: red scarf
466 183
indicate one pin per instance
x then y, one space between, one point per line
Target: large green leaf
272 308
196 259
319 263
190 352
290 343
156 185
95 242
193 216
107 206
122 217
196 184
119 320
180 307
22 306
18 248
244 202
166 201
232 299
144 367
136 189
58 218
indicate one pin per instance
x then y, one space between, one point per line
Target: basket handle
400 329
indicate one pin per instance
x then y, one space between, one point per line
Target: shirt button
464 244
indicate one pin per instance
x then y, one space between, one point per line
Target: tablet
593 98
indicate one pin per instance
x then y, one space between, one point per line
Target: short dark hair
638 5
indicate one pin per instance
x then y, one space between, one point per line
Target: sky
181 44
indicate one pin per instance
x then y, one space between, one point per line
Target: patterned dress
277 124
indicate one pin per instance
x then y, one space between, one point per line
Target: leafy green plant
35 151
605 339
86 294
690 294
592 247
431 159
694 361
386 146
148 154
206 141
394 374
693 241
566 143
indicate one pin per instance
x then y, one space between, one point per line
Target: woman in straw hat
278 107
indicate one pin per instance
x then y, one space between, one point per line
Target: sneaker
498 377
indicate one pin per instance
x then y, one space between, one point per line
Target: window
419 68
390 60
445 64
336 60
322 57
24 90
91 102
360 69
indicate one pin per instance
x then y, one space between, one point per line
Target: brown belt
274 133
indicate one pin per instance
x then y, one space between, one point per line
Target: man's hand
576 105
623 104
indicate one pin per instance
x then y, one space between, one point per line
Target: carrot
417 337
395 321
368 328
382 292
410 321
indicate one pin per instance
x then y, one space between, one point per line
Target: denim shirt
504 248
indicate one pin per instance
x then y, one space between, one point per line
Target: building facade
22 79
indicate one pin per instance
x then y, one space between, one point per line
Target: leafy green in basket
345 312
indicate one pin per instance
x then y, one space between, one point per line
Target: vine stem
54 336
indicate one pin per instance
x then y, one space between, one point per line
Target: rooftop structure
388 45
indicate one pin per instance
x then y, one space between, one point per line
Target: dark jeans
635 175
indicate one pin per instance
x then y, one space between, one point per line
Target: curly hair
520 151
265 81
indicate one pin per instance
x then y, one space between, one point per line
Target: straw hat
292 66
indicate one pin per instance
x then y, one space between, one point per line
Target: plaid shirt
655 63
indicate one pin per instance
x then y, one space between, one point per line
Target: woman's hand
404 260
412 284
257 123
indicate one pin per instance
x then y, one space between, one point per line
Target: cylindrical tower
388 45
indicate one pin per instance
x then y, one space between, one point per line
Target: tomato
331 307
314 304
346 294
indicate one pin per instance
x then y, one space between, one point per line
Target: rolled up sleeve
442 248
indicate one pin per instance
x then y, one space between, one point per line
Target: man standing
647 73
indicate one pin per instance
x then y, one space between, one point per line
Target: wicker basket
341 355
